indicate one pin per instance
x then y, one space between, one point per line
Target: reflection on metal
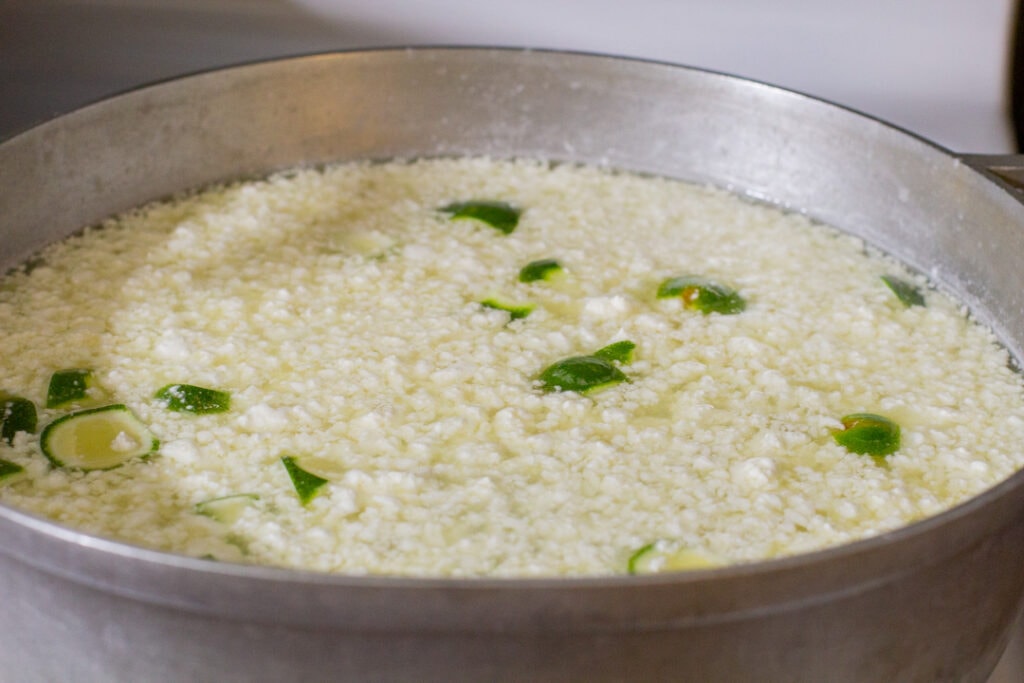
1011 667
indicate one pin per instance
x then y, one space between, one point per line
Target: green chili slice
868 434
68 386
582 374
700 294
542 269
516 311
307 485
621 351
908 294
17 414
501 216
188 398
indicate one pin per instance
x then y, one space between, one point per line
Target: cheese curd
342 311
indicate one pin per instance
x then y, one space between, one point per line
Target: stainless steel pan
930 602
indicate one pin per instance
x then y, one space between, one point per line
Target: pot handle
1007 167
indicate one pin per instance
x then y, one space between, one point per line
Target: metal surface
1010 668
1007 167
932 602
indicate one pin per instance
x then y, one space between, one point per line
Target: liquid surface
343 313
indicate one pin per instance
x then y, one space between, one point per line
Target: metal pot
932 601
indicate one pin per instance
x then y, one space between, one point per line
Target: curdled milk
342 312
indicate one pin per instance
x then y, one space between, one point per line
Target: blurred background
939 68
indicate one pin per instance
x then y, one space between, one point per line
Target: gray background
936 67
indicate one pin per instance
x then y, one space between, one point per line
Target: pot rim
441 48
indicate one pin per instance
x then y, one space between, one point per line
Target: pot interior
901 194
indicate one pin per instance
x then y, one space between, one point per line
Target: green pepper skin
868 434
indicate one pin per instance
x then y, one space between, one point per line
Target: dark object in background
1017 78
